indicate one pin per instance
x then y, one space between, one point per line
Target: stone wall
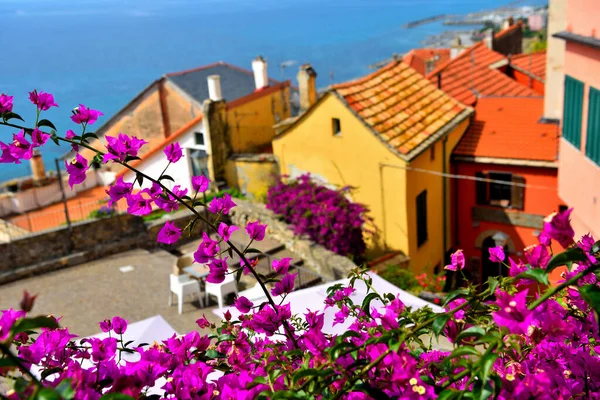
89 240
328 264
253 174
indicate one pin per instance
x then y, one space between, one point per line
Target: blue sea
103 52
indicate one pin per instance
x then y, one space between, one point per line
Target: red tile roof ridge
511 28
365 78
450 61
160 145
526 55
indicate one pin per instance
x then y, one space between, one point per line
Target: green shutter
592 145
573 111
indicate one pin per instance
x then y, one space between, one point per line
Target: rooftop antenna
331 77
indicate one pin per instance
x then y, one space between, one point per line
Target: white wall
181 171
34 198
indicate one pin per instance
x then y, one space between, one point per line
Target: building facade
580 125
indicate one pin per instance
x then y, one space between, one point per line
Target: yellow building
380 134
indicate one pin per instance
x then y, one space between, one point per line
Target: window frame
336 127
196 133
573 111
592 138
421 214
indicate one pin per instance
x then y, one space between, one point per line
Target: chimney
214 87
510 21
259 67
37 166
488 38
456 48
307 86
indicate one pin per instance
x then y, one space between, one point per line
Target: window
422 218
199 162
592 143
573 110
336 126
429 66
499 194
199 138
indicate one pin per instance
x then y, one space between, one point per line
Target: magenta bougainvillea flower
119 325
7 320
217 270
537 256
39 138
173 152
102 350
513 313
6 103
121 147
169 233
76 169
221 205
7 156
139 205
285 286
558 227
457 261
200 183
256 230
281 266
106 325
42 100
586 242
225 230
207 250
20 148
497 254
85 115
118 190
243 304
166 201
70 135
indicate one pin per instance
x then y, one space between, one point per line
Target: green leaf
595 247
537 274
65 390
98 158
482 390
338 348
305 373
128 343
474 331
7 116
492 284
456 294
131 158
487 362
439 323
47 394
6 362
591 295
34 323
212 353
448 394
238 274
54 138
573 254
89 135
166 177
464 351
367 302
45 122
47 372
116 396
140 179
225 338
252 250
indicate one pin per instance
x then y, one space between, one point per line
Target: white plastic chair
220 290
182 285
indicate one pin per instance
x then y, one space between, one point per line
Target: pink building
579 150
536 22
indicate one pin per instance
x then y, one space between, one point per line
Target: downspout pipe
445 196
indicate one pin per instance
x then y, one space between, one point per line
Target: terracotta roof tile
470 72
507 127
400 104
533 64
418 58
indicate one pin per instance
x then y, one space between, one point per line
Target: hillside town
466 147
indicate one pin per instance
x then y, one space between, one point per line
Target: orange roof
533 64
400 105
471 72
507 127
418 58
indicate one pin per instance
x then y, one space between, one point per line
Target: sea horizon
102 53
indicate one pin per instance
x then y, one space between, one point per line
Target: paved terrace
88 293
